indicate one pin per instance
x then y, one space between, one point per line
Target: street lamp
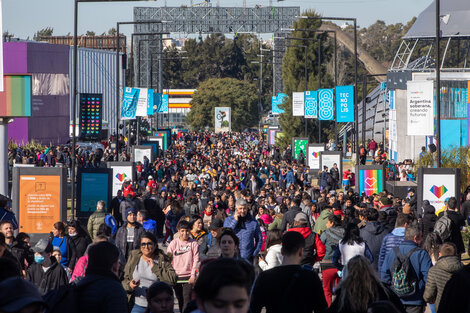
75 91
354 20
438 81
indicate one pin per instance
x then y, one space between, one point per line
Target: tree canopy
239 95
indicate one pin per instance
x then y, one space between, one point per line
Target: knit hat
130 210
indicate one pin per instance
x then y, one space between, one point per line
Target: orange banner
39 205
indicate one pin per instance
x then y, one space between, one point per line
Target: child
185 253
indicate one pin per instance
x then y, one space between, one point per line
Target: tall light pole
438 82
354 20
75 91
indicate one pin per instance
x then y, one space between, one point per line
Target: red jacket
314 249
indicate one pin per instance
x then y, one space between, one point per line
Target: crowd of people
225 223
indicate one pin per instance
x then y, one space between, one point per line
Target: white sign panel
329 160
298 104
314 156
420 97
142 102
120 173
140 153
437 188
223 119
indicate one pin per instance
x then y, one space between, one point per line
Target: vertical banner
325 105
164 104
1 48
150 102
370 179
420 96
142 102
222 120
299 144
437 185
468 113
276 102
344 104
392 122
129 103
90 122
298 104
157 102
311 104
313 157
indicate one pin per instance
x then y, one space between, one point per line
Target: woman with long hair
79 237
361 288
58 238
351 245
144 267
197 229
273 247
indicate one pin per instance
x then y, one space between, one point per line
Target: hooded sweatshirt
314 248
438 276
330 239
373 234
320 224
185 257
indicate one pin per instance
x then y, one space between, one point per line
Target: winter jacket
249 234
53 278
289 216
330 238
273 258
162 269
345 252
438 276
185 255
23 254
7 215
373 234
314 249
81 243
276 224
427 222
94 222
458 222
210 248
290 179
80 268
71 251
121 239
455 296
421 263
173 219
394 239
320 223
102 292
150 226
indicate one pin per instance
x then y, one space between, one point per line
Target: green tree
224 92
90 33
45 32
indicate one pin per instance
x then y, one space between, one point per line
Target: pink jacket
80 268
185 257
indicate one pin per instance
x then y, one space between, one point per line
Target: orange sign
39 205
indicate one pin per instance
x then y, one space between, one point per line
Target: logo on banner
121 177
325 101
371 181
316 155
438 191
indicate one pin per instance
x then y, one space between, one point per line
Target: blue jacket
421 263
290 177
7 215
394 239
249 235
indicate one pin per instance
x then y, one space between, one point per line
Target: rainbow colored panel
371 181
15 101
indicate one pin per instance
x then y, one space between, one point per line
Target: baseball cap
301 217
216 224
18 293
43 245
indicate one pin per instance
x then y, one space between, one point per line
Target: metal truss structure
207 20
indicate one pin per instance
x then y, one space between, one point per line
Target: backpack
111 222
443 226
404 280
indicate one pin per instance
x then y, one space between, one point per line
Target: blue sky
24 17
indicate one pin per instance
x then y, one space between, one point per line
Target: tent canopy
455 20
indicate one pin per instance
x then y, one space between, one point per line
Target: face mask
39 259
72 234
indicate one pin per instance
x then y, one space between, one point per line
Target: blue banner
344 104
157 102
311 104
164 105
129 103
325 105
276 102
150 102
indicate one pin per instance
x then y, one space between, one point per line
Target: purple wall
50 113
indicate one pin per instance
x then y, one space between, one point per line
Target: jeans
138 309
183 293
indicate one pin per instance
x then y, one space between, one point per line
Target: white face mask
72 234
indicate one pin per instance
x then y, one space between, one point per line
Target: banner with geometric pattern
311 104
325 105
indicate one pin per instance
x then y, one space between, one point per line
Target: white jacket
273 258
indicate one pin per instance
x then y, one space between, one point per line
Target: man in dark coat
46 273
373 234
289 216
128 235
458 222
115 207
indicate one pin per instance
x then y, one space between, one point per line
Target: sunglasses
145 244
